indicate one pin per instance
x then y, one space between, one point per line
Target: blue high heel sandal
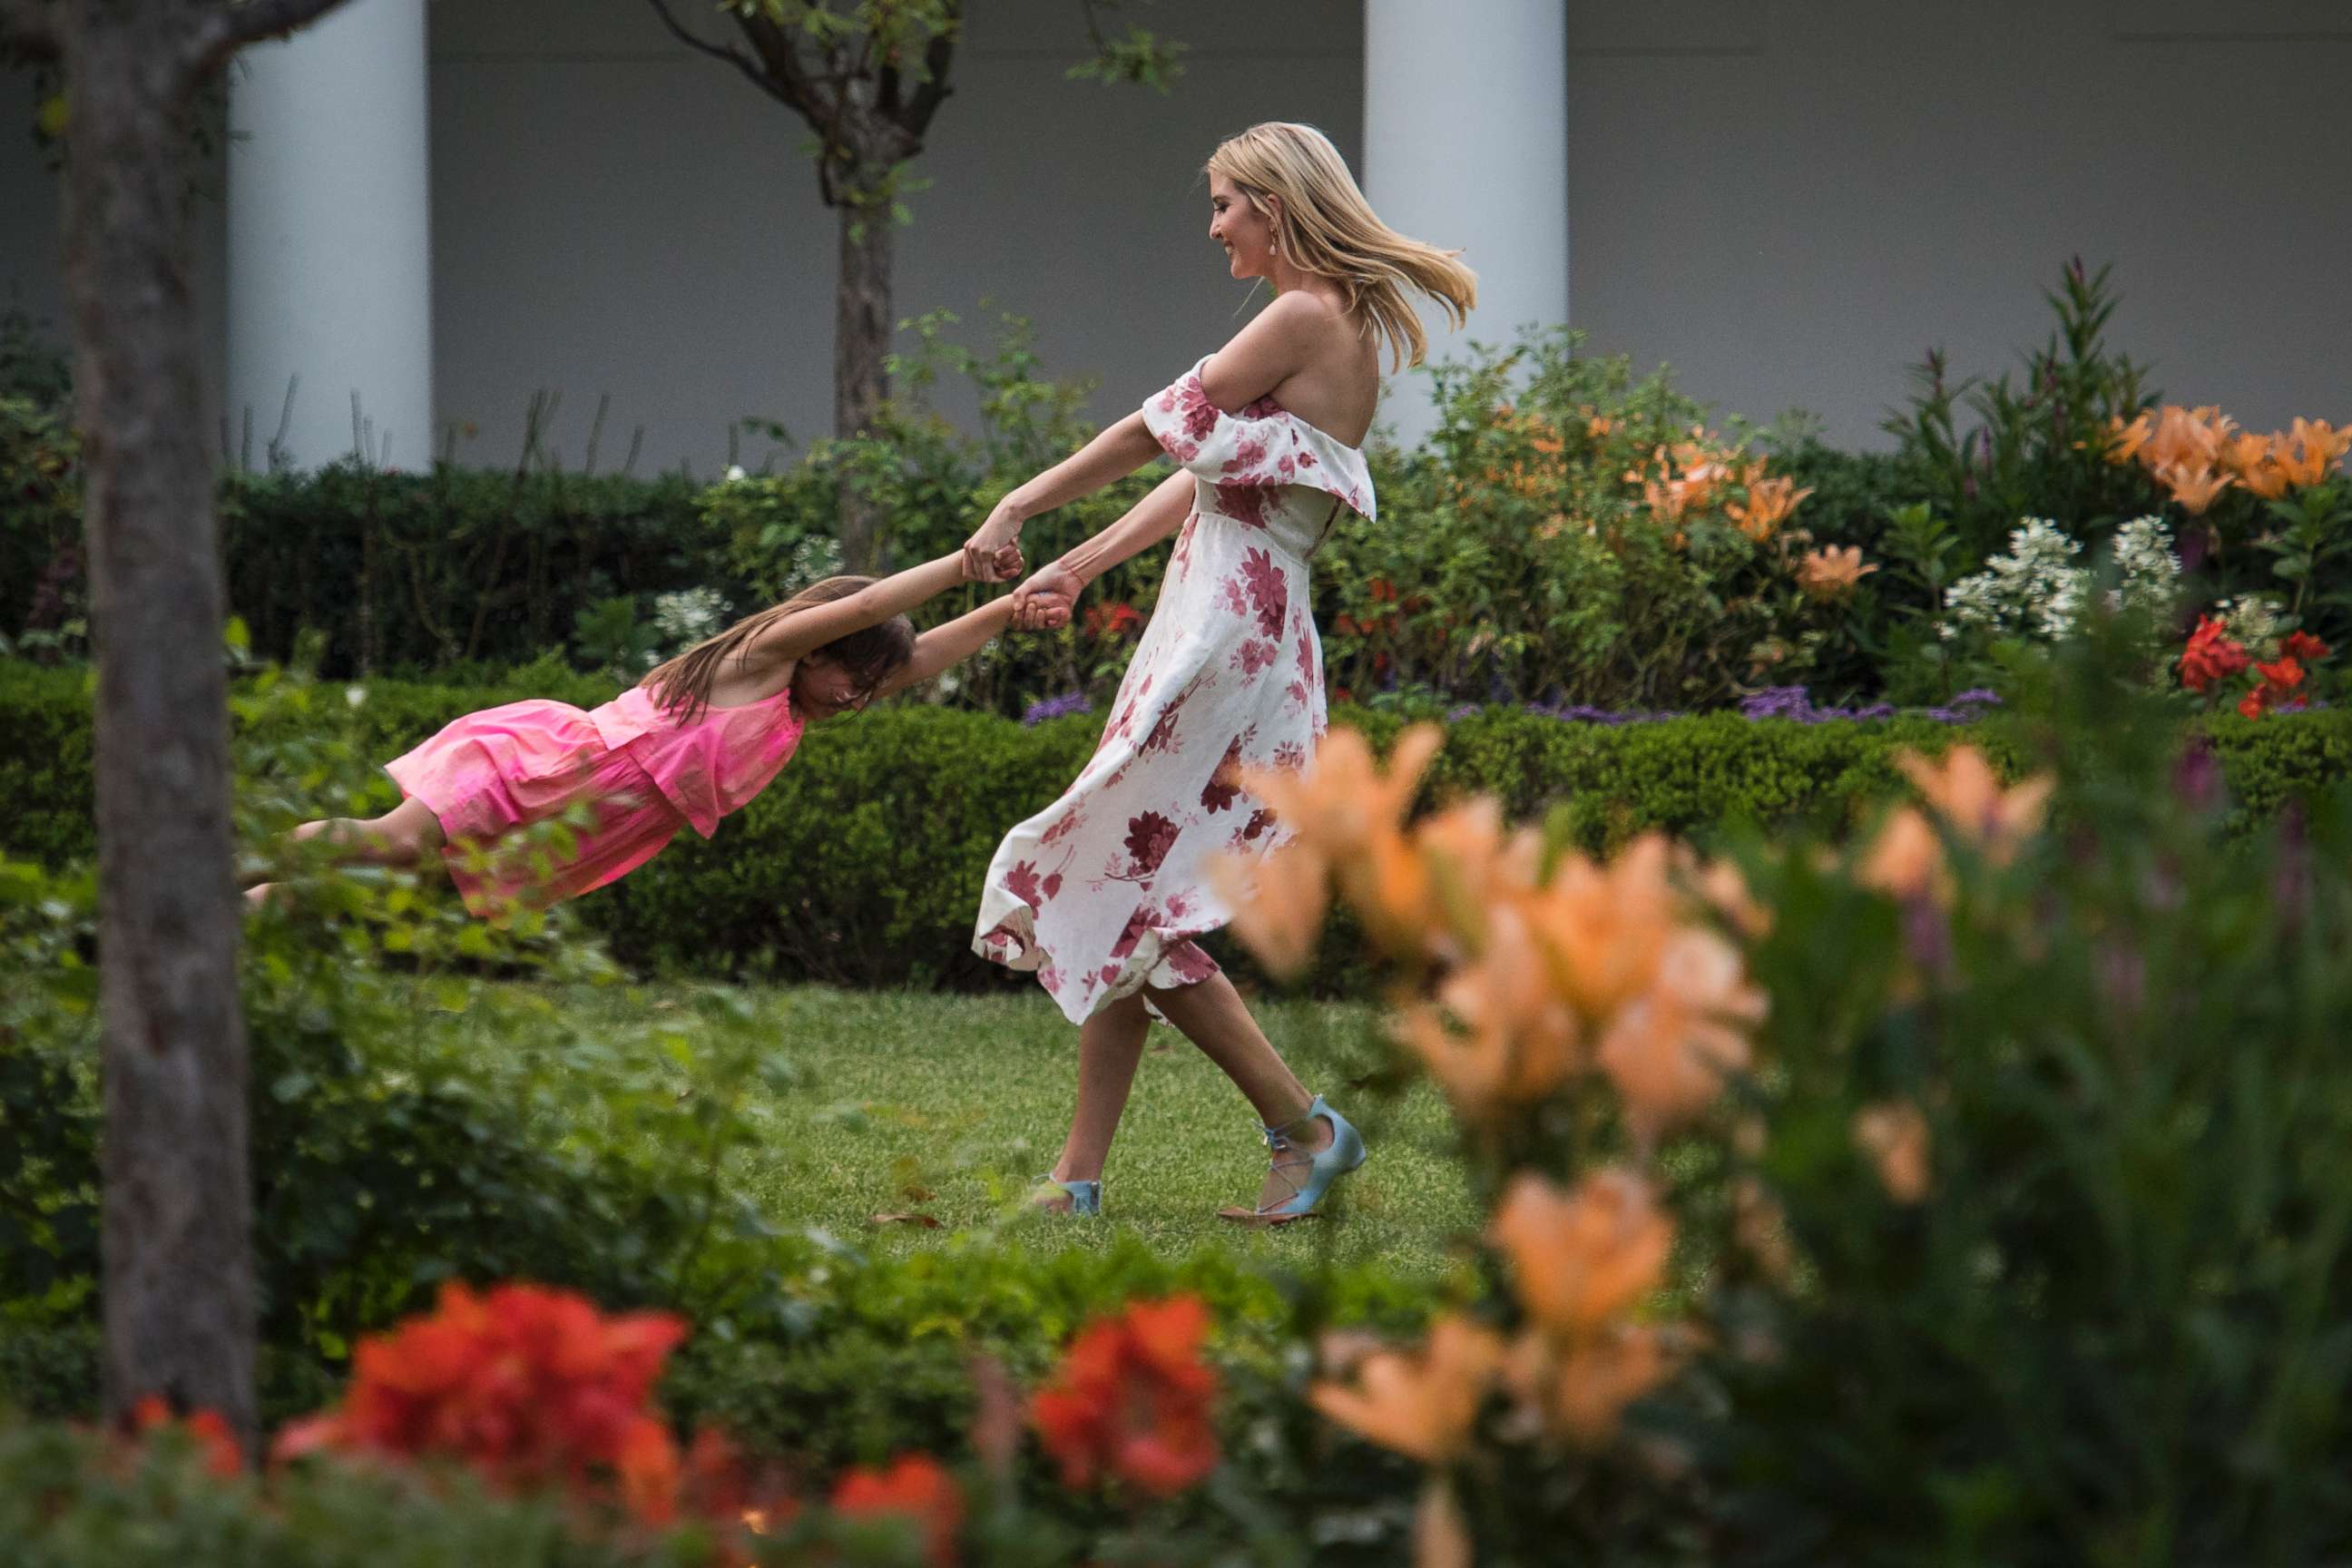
1325 1165
1086 1197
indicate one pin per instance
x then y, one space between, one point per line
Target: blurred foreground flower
1134 1400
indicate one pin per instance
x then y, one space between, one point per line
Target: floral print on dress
1102 891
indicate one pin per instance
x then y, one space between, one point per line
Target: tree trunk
861 337
178 1291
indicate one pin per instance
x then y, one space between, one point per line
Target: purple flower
1057 708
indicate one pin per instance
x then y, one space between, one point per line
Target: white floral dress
1102 892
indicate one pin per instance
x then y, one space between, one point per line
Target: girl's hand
1047 599
1002 567
982 551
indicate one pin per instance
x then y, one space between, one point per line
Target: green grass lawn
949 1106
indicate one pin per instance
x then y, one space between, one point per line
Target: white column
1465 145
330 248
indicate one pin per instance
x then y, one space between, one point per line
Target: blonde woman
1102 894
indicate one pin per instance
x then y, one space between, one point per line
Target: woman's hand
987 545
1003 567
1048 599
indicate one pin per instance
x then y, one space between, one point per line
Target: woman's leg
1213 1017
1110 1044
408 834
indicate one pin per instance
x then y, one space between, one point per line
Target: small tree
867 76
177 1208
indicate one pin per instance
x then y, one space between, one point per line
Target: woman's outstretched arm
1118 452
1055 587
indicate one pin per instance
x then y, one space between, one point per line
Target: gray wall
613 214
1788 199
1791 200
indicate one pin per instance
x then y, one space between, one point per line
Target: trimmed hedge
862 864
421 571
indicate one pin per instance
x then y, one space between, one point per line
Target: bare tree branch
228 28
750 71
787 76
26 32
934 90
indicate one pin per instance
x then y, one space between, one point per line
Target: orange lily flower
1965 791
2124 441
1670 1051
1583 1257
1831 573
1517 1041
1769 504
1601 926
1344 801
1582 1390
1279 903
1906 859
1894 1136
1421 1405
1471 862
2194 487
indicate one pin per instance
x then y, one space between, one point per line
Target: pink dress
642 774
1102 892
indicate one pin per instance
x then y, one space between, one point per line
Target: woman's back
1338 389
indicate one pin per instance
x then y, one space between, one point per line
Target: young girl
692 742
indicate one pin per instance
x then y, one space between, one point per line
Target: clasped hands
992 554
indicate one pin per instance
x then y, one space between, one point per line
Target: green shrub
66 1501
2113 1327
862 863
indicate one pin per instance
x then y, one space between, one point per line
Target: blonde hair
871 655
1325 226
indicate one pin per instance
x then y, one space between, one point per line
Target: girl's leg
1213 1017
1110 1044
408 834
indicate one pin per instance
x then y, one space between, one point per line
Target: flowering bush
1922 1138
1573 535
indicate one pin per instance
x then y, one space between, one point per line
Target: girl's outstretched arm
944 647
810 629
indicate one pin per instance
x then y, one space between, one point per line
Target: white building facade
433 210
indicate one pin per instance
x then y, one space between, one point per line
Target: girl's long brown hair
871 655
1327 228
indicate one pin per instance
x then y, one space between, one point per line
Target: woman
1102 893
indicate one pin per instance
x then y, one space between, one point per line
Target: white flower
735 474
2035 590
2256 620
355 695
2151 572
689 616
814 559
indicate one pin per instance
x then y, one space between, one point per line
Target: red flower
1112 620
526 1384
1133 1400
2281 678
915 1488
218 1445
2254 702
2210 656
2302 646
